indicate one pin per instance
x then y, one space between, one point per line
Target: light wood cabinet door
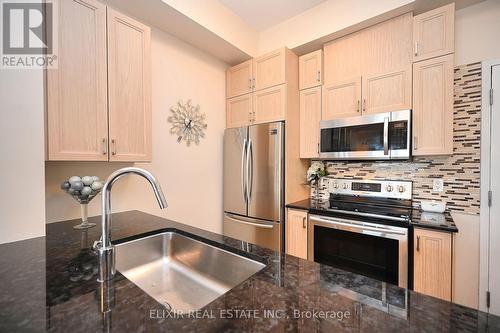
269 69
432 263
342 59
310 116
342 99
129 87
239 111
239 79
296 233
433 106
388 91
434 33
77 118
310 70
269 104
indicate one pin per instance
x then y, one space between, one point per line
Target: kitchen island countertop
48 284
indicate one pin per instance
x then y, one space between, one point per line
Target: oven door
374 250
381 136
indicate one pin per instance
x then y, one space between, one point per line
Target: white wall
476 32
324 19
22 209
191 177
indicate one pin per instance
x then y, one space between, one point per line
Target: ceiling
262 14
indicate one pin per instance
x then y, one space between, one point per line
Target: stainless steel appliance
364 228
381 136
253 184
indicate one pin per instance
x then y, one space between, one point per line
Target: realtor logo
28 37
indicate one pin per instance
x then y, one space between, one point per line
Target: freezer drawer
263 233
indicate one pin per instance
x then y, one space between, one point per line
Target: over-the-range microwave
381 136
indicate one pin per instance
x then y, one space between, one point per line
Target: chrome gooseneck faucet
105 249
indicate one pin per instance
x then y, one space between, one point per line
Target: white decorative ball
74 179
87 180
96 185
86 190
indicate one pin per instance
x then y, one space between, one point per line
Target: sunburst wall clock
188 123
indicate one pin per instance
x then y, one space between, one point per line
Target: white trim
485 180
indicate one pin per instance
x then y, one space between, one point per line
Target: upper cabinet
433 106
311 70
434 33
239 79
369 71
310 116
77 118
259 90
129 87
99 97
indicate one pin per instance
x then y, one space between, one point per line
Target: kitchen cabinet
310 116
270 69
296 233
383 48
387 91
434 33
342 99
239 111
77 115
433 106
269 104
99 97
310 70
239 79
432 263
129 88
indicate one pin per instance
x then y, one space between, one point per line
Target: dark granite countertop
48 284
419 218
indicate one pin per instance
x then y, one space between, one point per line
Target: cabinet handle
418 243
104 147
253 83
113 147
364 104
304 225
414 142
416 48
250 83
357 110
318 76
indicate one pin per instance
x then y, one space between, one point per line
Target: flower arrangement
315 172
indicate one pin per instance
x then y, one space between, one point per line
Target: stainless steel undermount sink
180 272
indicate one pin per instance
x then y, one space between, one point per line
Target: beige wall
191 177
476 32
22 209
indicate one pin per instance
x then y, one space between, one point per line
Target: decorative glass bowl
83 189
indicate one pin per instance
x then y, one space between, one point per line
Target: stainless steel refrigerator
253 184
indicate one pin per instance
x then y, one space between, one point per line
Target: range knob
345 186
389 188
335 185
401 189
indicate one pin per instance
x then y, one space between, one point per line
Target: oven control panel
371 188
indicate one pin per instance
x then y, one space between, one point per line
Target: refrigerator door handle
244 171
249 178
250 221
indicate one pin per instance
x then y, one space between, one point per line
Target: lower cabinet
296 233
432 263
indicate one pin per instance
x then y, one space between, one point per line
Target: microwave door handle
386 135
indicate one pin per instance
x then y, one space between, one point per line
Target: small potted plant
315 172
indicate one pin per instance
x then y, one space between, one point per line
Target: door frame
484 234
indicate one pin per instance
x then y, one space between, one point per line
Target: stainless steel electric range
364 228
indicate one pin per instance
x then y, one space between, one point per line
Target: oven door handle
348 226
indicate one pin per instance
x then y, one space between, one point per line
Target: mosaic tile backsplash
460 172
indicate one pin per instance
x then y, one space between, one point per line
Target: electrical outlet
437 185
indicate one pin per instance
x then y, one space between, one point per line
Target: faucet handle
97 244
